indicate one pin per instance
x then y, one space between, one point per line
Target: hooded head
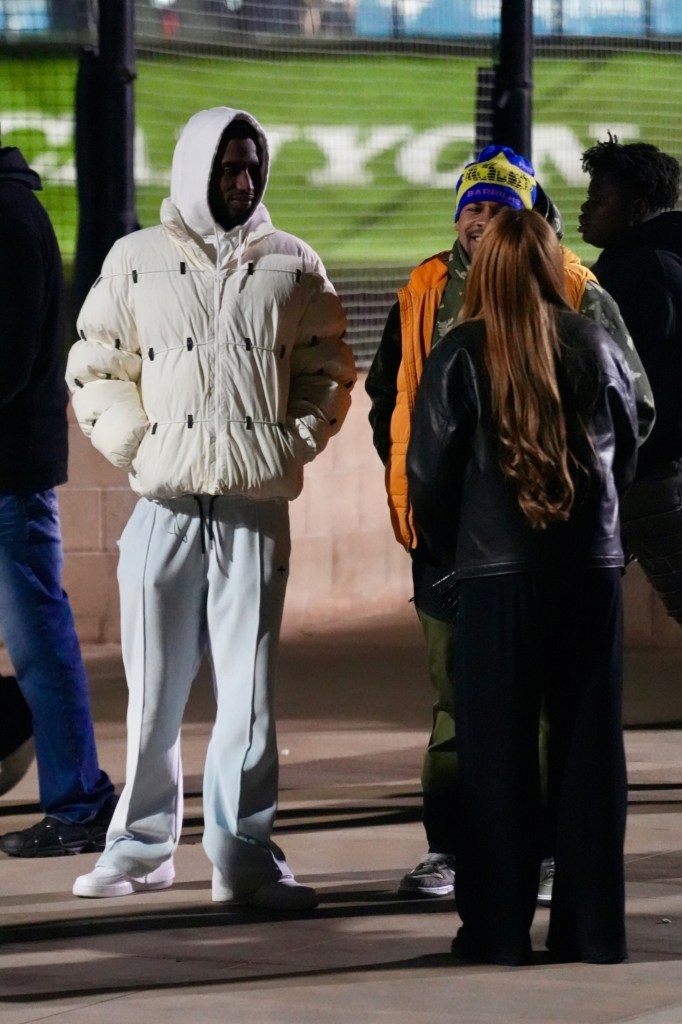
497 175
13 167
220 169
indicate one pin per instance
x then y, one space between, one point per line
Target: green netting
368 134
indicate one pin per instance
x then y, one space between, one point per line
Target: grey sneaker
546 882
433 876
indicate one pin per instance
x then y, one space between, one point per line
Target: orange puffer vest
419 303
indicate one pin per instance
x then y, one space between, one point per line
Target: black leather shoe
54 838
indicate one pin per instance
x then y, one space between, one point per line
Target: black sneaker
54 838
16 734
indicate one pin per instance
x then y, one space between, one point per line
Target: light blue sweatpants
201 575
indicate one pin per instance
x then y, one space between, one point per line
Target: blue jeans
37 627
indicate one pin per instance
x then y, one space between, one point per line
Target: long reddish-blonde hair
515 285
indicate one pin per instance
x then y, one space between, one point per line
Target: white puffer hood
193 159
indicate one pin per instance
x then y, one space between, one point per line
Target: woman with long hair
524 434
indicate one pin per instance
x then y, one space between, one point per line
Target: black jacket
467 510
644 275
33 394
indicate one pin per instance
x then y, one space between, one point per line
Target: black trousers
521 639
651 515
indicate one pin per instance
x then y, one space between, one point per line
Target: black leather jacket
467 510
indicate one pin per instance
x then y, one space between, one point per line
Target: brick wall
344 557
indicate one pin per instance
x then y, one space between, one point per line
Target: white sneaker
284 893
103 881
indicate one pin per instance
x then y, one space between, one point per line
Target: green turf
389 220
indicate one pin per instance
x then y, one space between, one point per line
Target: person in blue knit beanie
498 175
427 308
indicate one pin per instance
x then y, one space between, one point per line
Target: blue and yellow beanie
497 175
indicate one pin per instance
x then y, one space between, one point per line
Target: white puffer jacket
211 362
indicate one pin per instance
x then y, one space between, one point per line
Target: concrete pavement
354 712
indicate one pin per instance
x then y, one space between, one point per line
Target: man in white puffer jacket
211 367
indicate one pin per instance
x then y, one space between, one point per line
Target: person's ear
640 210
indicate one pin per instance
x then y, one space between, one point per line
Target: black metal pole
104 141
512 106
117 53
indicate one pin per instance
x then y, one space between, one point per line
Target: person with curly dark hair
630 214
